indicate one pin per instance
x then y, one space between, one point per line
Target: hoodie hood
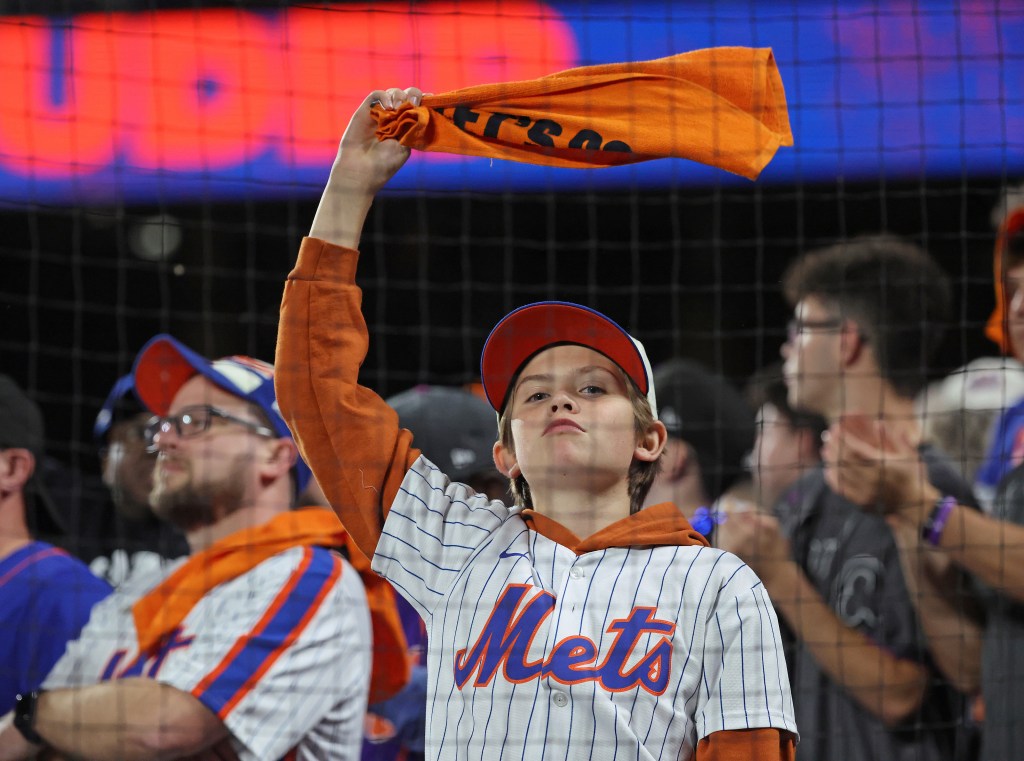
996 329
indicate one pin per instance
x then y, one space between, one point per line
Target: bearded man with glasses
868 315
258 645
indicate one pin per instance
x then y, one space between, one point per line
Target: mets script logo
145 664
505 642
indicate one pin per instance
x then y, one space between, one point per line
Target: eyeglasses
194 421
796 326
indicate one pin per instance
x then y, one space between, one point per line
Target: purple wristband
932 532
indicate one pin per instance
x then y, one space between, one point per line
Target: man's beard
189 507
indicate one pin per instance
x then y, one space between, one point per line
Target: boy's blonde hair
641 474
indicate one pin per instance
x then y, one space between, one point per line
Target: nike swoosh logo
507 554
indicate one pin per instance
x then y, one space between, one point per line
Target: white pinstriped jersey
622 653
280 653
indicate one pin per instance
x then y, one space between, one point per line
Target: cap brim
534 327
105 418
162 367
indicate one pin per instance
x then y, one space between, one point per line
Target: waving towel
720 106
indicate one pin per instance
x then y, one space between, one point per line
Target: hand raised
752 534
364 159
870 464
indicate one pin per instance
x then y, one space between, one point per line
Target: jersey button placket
560 699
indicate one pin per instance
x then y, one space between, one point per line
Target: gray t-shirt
1002 683
851 558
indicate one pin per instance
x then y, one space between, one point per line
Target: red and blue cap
164 365
525 332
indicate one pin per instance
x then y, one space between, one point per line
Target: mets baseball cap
453 428
523 333
164 364
21 427
704 410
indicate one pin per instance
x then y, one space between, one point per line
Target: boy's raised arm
346 433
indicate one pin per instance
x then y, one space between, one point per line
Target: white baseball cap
987 383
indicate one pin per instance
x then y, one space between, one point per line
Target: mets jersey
279 653
640 642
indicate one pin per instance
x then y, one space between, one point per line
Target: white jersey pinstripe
310 700
623 653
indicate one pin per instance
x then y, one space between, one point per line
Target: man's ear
505 461
852 343
651 444
16 467
281 455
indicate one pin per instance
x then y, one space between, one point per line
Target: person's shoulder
54 565
300 569
710 568
808 490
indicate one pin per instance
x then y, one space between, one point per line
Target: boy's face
572 421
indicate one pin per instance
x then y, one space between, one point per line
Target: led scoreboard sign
229 103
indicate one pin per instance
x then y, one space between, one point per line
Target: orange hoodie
720 106
996 329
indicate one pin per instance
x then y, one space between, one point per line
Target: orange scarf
720 106
163 609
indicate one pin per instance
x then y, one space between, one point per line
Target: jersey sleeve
745 684
77 666
346 433
433 529
280 653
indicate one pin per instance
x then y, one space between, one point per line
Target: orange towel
162 610
996 328
720 106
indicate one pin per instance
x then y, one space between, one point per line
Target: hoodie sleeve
346 433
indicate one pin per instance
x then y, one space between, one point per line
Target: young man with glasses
258 644
867 316
938 524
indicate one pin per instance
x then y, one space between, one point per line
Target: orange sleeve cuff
768 744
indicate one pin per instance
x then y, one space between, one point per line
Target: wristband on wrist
932 529
25 716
